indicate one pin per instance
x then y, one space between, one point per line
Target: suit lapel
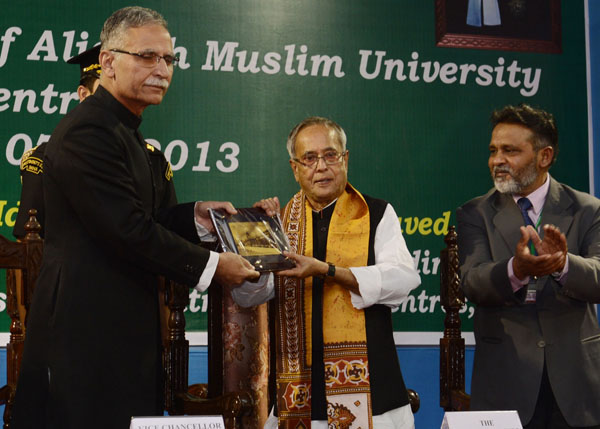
507 219
556 208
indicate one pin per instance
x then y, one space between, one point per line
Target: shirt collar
328 205
537 197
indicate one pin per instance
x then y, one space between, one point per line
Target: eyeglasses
151 59
310 160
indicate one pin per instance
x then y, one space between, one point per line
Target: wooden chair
237 359
452 346
22 262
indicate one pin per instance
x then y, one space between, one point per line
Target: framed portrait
509 25
253 235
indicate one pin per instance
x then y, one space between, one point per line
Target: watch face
331 271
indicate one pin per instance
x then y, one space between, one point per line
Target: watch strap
331 270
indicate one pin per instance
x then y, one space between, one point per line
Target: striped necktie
524 204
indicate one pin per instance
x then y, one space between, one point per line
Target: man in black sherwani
92 354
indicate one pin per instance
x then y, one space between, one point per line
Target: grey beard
515 185
507 186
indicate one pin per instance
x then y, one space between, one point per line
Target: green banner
411 83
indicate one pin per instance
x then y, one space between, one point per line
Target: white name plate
481 420
178 422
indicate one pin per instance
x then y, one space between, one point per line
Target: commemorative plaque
253 235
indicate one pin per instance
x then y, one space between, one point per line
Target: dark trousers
547 414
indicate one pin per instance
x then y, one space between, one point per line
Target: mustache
154 81
498 170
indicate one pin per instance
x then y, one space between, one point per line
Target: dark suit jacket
513 339
93 328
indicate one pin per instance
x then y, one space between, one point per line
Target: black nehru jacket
93 327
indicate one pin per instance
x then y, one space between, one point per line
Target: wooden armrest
5 392
460 401
198 390
229 405
414 400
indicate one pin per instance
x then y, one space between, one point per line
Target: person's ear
294 167
545 157
83 92
106 59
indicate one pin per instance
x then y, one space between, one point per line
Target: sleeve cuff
369 285
515 283
203 233
208 273
561 276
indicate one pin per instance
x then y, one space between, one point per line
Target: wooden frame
450 32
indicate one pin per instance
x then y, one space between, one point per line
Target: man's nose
497 159
321 164
162 69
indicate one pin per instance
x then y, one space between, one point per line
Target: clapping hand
551 252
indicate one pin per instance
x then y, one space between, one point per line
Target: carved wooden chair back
22 261
452 345
237 359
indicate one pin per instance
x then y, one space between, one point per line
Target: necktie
524 204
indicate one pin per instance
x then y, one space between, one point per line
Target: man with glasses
92 353
32 162
336 357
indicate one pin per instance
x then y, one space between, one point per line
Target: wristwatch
331 270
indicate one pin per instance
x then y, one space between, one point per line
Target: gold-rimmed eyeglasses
151 59
330 157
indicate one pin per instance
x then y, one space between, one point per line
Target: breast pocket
591 339
591 346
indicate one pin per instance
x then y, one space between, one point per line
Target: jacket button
541 343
